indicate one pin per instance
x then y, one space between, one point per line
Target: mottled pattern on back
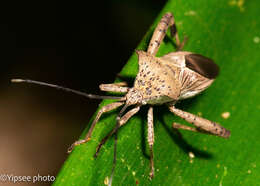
157 82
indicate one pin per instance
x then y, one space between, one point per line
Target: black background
74 44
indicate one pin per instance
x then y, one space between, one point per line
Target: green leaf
227 31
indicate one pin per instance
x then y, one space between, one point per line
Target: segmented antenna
90 96
115 145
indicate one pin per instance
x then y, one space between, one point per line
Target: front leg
114 87
104 109
121 121
201 123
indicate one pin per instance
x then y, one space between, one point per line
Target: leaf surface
229 33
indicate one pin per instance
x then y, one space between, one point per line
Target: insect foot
76 144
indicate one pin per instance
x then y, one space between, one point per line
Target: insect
161 80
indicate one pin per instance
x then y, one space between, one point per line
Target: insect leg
121 84
184 127
114 87
160 31
121 121
174 33
151 139
104 109
201 123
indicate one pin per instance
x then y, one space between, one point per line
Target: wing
195 74
196 62
192 83
202 65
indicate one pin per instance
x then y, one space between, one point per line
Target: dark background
77 45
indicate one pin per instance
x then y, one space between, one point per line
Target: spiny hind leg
121 121
160 31
104 109
201 123
185 127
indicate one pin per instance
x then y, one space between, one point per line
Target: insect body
168 79
160 80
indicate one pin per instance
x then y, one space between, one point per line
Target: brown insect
160 80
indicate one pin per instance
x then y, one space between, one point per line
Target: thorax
157 80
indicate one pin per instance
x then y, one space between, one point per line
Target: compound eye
202 65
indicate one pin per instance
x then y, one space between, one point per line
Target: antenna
90 96
115 144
